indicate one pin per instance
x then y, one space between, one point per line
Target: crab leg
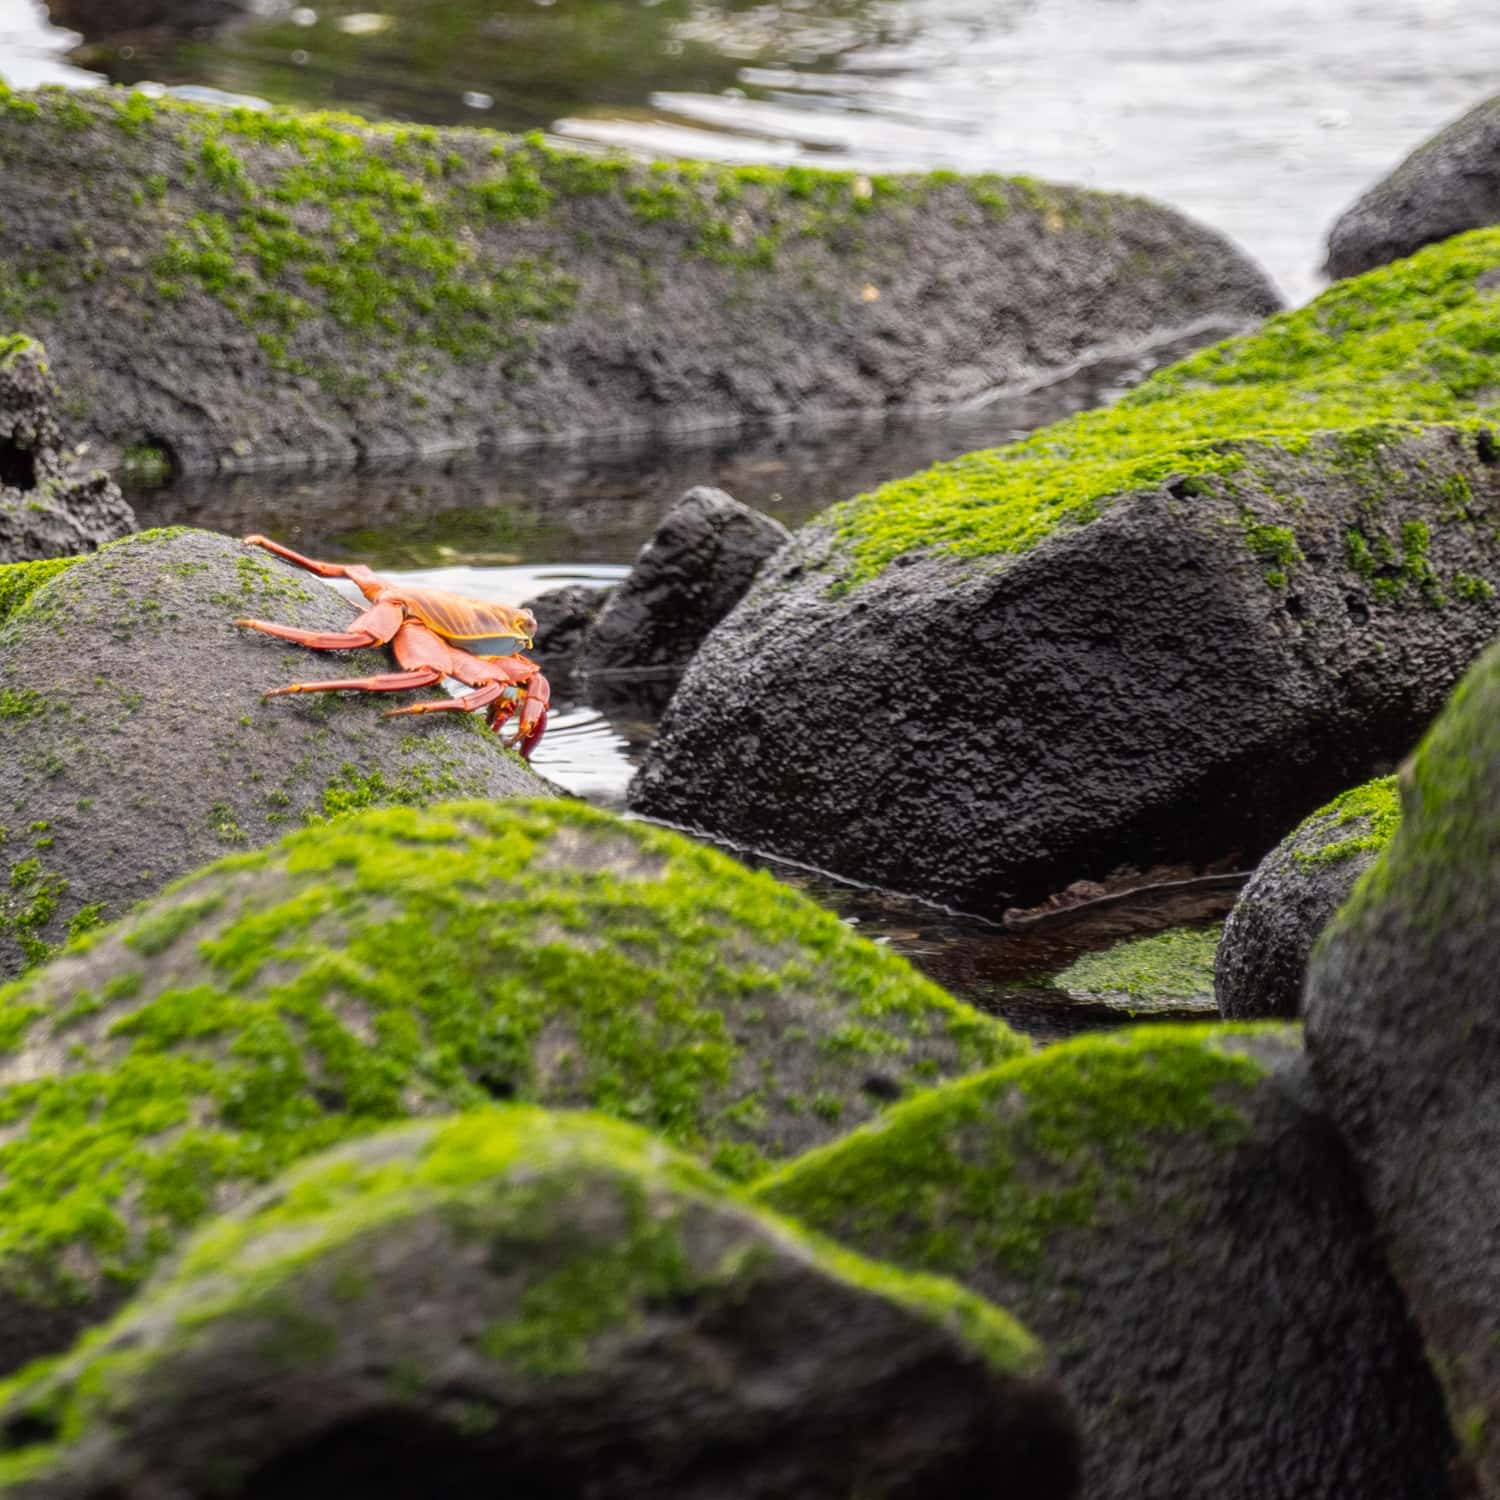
357 571
386 682
465 704
373 628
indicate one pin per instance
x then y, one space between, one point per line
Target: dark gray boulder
1174 1215
1448 185
46 510
693 570
310 287
1403 1025
135 744
112 17
1261 961
563 619
515 1302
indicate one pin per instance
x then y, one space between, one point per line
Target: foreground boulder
1448 185
1138 637
414 962
135 744
520 1302
1172 1214
694 569
45 511
1402 1028
1296 889
310 287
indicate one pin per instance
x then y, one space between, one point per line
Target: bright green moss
1411 342
1375 807
987 1169
1175 965
516 1176
398 962
19 581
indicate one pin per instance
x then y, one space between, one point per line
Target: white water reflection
32 49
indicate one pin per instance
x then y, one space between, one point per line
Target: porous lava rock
522 1302
1160 633
45 509
419 961
1172 1213
136 745
692 571
563 618
1448 185
1261 962
310 287
1402 1029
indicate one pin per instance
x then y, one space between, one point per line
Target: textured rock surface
517 1302
109 17
1446 186
1296 889
415 962
1171 1212
135 744
311 289
45 511
1137 637
694 569
563 618
1404 1033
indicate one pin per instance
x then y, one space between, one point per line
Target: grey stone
563 618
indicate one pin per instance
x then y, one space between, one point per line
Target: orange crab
433 635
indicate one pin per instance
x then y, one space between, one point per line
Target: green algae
399 962
1174 965
1410 342
516 1177
1375 807
985 1171
19 581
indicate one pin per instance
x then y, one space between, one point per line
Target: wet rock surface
563 619
695 568
137 745
1448 185
46 510
1262 961
518 1301
1173 1214
428 290
1401 1027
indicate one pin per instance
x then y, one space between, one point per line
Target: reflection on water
1262 117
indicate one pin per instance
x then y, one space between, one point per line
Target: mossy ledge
345 289
556 1257
399 963
1362 821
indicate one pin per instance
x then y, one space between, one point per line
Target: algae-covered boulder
1171 1213
1158 633
1164 974
419 961
692 571
135 745
1296 889
1448 185
1402 1027
314 287
46 510
517 1302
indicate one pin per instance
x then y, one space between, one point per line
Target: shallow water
1264 119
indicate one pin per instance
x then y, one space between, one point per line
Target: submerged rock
1448 185
135 744
1164 974
1171 1212
1298 886
694 569
1402 1028
313 288
521 1302
417 962
45 510
1138 637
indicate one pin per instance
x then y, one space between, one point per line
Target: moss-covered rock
1161 633
313 286
1402 1028
517 1301
135 744
1448 185
411 962
46 510
1165 974
1296 889
1171 1213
